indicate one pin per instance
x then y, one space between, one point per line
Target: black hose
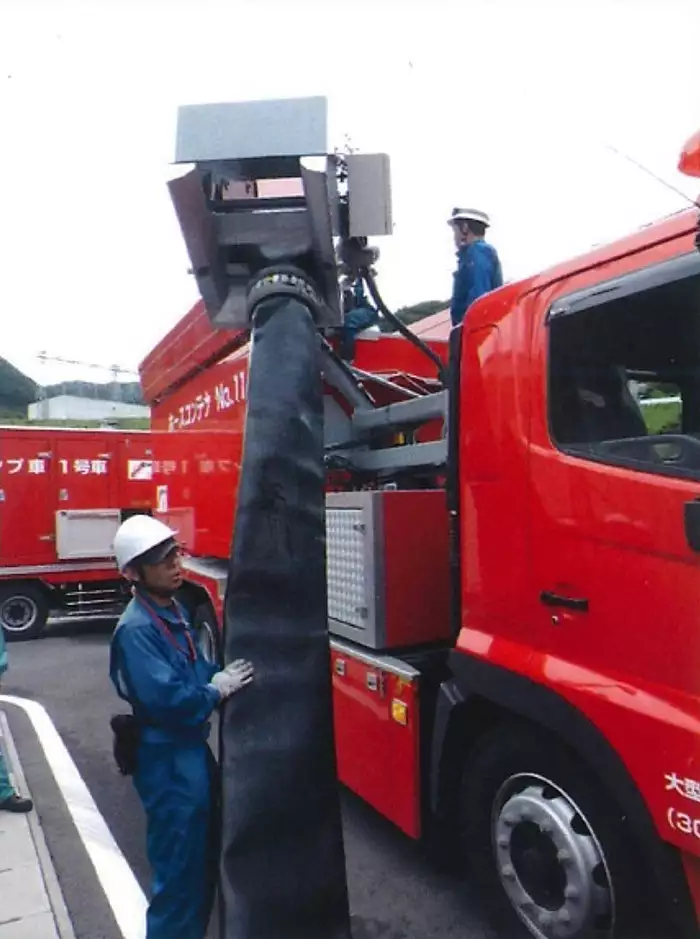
283 862
408 334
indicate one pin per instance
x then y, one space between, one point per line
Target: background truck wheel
207 632
547 847
24 610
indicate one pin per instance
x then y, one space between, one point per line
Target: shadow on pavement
65 628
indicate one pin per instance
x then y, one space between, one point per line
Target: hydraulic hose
283 863
402 328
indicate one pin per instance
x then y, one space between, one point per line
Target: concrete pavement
31 902
398 889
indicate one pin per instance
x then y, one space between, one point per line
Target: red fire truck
63 493
513 574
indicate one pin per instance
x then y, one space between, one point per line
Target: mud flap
283 863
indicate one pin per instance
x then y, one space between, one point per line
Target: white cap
469 215
140 534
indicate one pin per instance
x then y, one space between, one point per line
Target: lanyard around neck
161 623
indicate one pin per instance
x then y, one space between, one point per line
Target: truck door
615 463
26 500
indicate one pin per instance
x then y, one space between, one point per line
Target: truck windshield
624 379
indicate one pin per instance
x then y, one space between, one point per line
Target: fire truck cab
513 574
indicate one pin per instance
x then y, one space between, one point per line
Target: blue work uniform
361 316
6 788
478 272
164 677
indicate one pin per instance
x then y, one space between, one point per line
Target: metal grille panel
345 562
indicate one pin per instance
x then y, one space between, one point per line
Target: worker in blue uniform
358 314
156 666
478 265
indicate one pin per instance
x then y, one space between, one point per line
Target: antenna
645 169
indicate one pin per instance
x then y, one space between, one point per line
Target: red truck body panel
45 471
416 569
197 475
191 345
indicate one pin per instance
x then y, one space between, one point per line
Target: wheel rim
18 613
550 863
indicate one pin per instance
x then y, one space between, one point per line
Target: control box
388 567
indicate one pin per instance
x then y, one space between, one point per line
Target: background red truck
513 575
63 493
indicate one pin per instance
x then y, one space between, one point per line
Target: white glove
234 677
241 671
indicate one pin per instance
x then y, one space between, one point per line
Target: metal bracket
339 667
264 191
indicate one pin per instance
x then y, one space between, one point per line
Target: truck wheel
548 849
207 632
24 610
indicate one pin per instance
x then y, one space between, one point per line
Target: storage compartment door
26 501
354 568
377 733
86 533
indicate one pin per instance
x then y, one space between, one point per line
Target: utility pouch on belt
126 732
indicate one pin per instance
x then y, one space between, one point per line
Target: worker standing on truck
359 314
156 667
478 265
10 800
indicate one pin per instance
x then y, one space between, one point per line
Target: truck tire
24 610
207 633
547 848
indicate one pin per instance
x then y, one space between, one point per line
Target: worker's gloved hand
234 677
241 672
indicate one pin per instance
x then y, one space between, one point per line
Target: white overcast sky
509 105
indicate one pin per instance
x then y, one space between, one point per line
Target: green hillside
126 392
17 391
415 313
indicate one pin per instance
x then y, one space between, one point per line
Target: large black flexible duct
283 863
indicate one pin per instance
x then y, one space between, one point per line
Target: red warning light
689 163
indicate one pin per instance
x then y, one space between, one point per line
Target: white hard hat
139 535
469 215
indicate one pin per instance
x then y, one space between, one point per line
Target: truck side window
624 379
